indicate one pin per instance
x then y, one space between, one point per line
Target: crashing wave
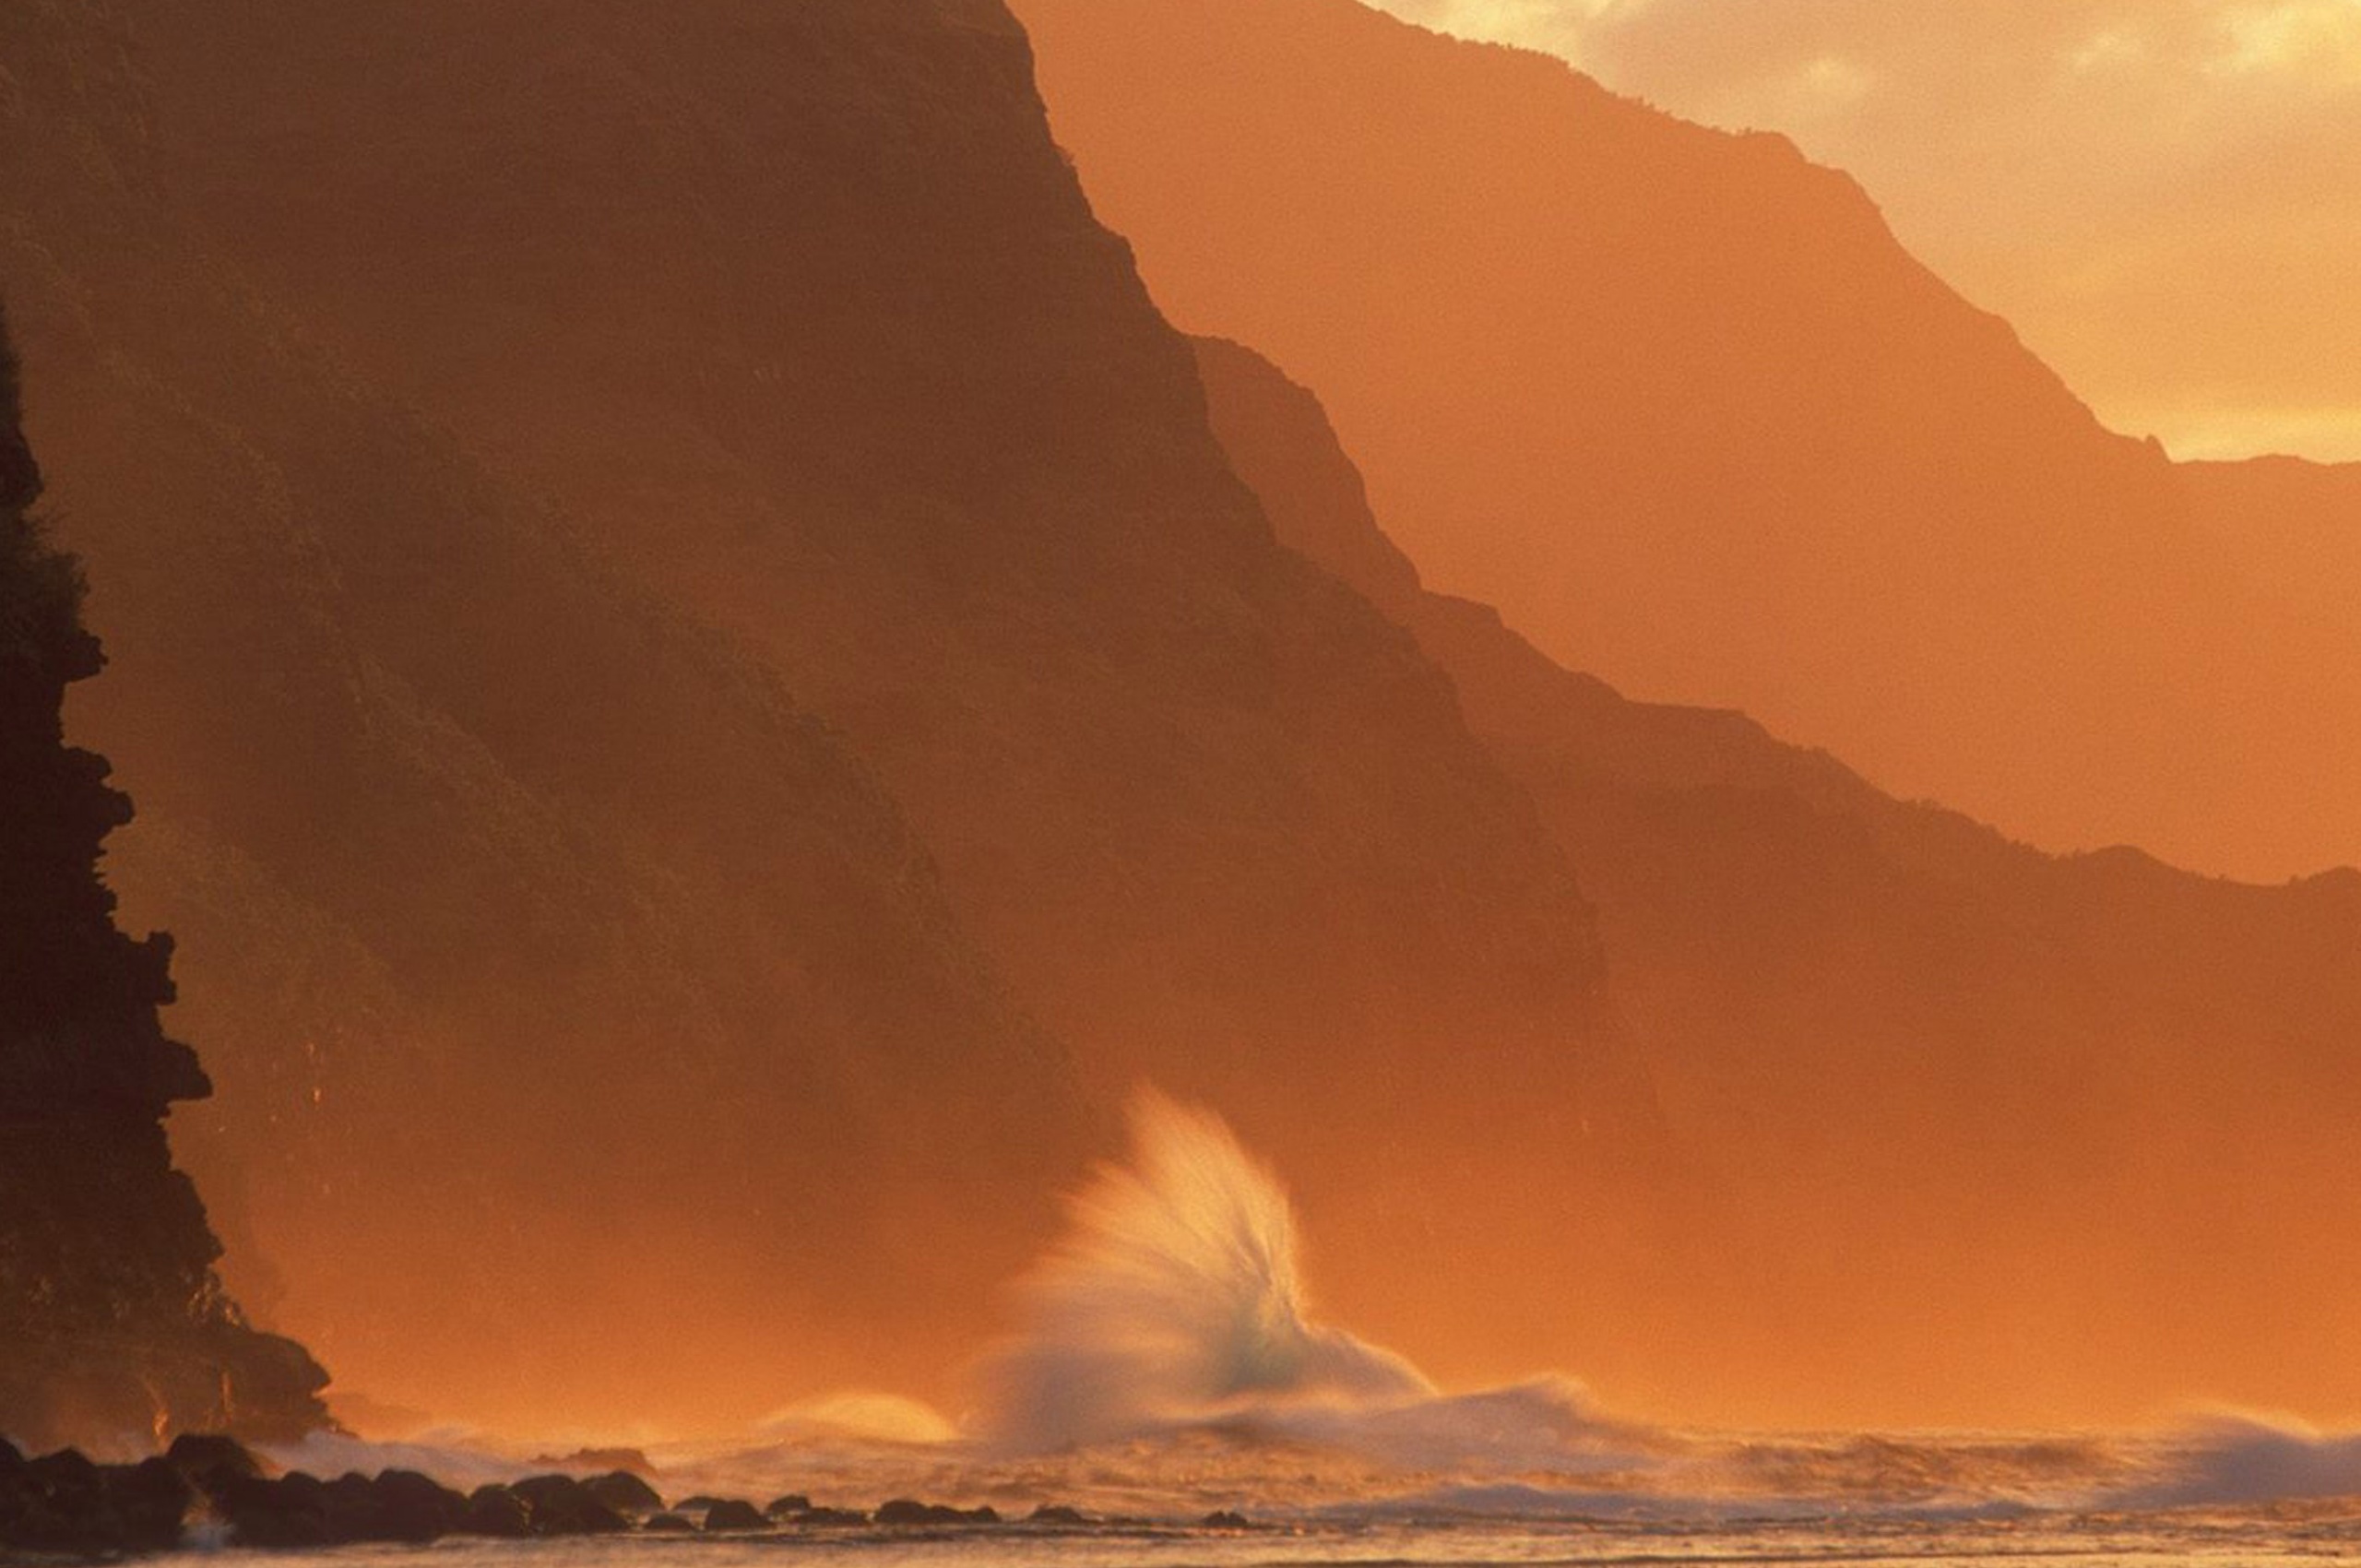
1175 1299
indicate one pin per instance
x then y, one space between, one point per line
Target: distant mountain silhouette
477 416
111 1316
1678 404
1999 1136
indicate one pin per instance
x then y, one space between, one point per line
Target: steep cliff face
114 1323
792 320
542 946
1957 1092
1680 406
900 415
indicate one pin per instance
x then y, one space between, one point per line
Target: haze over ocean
1178 783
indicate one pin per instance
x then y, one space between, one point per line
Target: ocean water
1164 1365
2257 1536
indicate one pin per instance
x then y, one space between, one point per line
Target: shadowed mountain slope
793 321
1680 406
113 1322
542 946
1999 1136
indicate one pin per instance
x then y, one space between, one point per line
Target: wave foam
1173 1298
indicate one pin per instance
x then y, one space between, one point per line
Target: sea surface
1523 1476
2256 1536
1165 1366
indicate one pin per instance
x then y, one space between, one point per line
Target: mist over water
1166 1359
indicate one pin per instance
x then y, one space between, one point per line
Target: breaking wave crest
1175 1299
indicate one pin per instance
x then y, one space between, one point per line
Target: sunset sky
2162 195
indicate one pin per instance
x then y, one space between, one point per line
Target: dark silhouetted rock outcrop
624 1492
735 1514
211 1460
64 1505
496 1512
417 1508
111 1320
560 1505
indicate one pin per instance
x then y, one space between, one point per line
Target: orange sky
2164 197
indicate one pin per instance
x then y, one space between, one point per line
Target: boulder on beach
63 1503
416 1508
293 1511
734 1515
66 1473
355 1511
624 1492
204 1458
559 1506
150 1501
496 1512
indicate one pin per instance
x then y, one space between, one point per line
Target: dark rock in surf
669 1525
415 1508
293 1511
355 1511
1057 1513
624 1492
496 1512
735 1514
792 1503
59 1504
560 1505
1225 1519
150 1503
68 1473
64 1505
828 1516
112 1318
208 1459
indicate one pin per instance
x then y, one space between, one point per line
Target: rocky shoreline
213 1490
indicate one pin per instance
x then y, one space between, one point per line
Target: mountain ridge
1868 1018
1677 401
